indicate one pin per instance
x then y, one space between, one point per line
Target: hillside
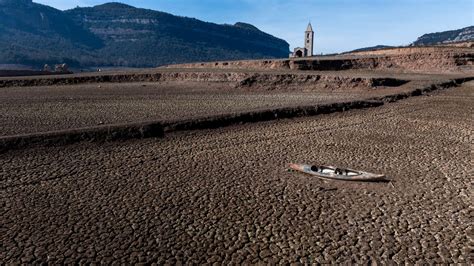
461 35
33 34
451 38
115 34
372 48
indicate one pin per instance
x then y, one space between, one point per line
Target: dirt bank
311 82
126 78
265 81
416 59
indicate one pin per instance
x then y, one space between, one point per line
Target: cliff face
120 35
461 35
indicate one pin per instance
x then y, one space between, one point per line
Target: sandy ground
41 109
225 195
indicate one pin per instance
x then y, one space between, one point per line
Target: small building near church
307 51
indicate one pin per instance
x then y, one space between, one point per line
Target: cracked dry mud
224 195
48 108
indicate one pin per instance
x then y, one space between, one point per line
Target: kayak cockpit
333 171
330 172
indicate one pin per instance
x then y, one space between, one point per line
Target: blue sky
340 25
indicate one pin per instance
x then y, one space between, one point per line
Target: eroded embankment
123 78
159 128
266 81
416 62
431 59
304 82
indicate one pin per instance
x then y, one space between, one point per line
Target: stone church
307 51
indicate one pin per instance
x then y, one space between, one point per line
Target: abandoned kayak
330 172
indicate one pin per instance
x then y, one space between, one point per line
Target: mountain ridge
116 34
438 38
444 37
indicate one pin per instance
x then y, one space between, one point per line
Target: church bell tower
309 40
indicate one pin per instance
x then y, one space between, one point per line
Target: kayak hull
334 173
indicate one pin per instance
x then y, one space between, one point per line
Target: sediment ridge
266 81
302 81
122 78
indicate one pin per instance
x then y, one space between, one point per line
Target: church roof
309 28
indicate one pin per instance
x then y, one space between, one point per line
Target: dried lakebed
224 196
157 128
37 109
42 109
